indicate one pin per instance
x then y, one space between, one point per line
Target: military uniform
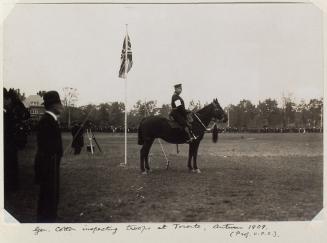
47 165
78 139
178 112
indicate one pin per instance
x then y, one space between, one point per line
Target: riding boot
190 136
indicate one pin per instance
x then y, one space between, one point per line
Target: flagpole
321 118
126 50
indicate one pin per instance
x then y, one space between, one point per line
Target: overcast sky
229 52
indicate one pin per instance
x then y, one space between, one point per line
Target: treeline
243 116
267 115
110 115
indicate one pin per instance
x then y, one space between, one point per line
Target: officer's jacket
177 103
77 133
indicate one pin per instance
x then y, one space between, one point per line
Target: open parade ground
245 177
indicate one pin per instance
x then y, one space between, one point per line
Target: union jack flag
129 61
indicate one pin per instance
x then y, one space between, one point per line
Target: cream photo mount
12 231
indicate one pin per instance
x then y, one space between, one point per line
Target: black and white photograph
163 112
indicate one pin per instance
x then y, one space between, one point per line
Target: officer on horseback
179 113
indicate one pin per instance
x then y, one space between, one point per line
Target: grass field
245 177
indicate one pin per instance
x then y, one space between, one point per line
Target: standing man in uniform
78 138
179 113
47 161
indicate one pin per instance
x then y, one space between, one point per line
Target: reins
199 120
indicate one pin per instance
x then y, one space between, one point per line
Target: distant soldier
78 138
179 113
47 161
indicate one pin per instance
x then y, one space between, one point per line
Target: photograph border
292 231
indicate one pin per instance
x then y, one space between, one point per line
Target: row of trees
243 115
111 114
267 113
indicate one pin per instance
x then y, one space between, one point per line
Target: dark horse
16 118
15 136
160 127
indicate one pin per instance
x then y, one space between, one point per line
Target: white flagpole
126 50
321 118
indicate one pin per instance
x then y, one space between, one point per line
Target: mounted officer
179 113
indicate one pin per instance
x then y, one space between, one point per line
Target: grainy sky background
232 52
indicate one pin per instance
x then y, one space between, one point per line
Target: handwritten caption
230 230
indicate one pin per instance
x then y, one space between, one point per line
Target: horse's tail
140 139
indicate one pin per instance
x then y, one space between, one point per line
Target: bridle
200 121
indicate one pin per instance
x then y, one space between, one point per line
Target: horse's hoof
198 171
144 173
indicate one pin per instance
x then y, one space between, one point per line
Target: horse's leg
190 155
148 147
142 158
195 155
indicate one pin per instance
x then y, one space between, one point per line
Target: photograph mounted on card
163 113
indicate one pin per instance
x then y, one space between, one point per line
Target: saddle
175 125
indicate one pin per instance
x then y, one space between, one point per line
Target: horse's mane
204 110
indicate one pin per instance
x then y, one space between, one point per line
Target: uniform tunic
78 139
178 112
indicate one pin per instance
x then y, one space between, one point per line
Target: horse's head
218 112
7 99
13 104
18 115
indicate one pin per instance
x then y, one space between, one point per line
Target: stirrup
190 140
193 136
